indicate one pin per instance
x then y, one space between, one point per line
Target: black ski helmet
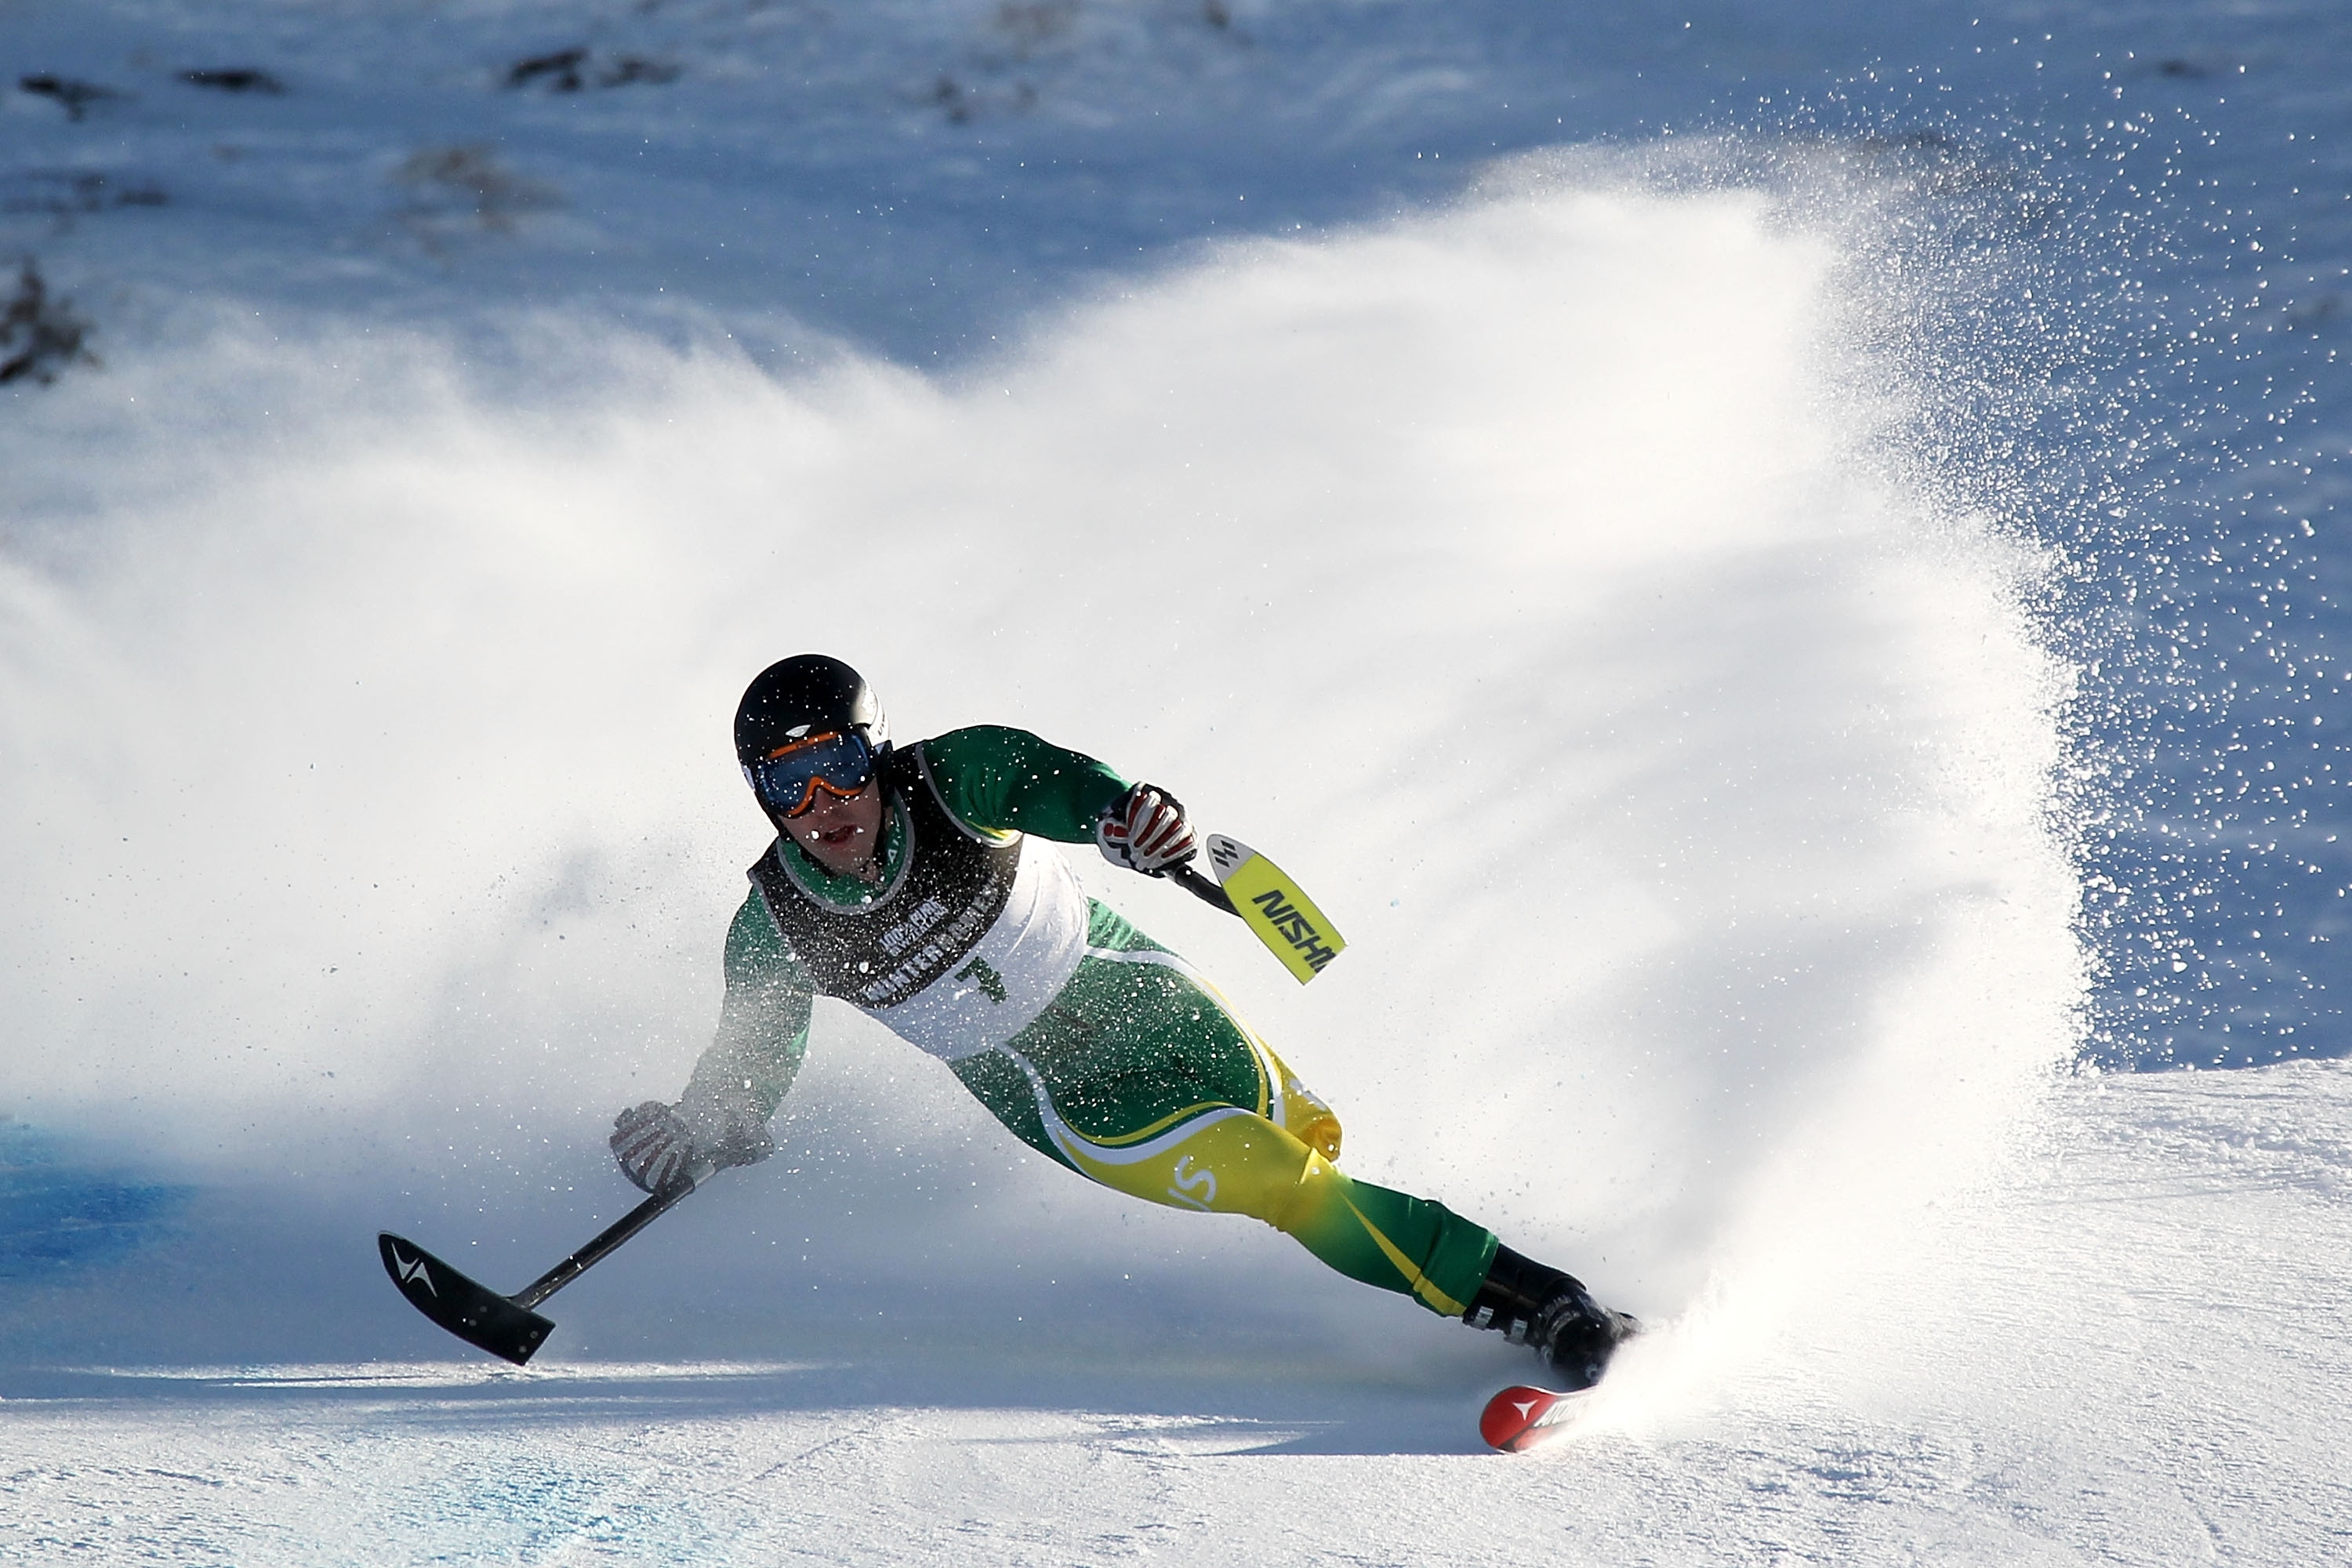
807 694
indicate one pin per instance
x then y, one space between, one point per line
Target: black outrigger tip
473 1312
506 1325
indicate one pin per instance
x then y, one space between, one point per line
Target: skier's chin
838 849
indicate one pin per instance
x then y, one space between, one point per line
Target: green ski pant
1140 1075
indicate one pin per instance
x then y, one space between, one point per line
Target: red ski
1518 1419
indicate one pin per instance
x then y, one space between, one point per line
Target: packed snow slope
1631 588
2113 1360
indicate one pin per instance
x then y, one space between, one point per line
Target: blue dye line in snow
57 1212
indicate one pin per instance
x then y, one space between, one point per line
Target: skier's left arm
992 776
763 1027
722 1118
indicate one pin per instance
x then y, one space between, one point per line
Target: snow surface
1641 588
2113 1358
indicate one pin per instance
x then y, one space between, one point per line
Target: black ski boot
1553 1313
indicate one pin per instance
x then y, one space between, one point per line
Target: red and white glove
1146 830
655 1144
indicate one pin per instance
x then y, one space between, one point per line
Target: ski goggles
789 778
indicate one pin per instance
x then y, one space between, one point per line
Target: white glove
1145 830
655 1143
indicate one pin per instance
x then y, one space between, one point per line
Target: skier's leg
1140 1077
1222 1159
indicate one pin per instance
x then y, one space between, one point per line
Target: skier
912 884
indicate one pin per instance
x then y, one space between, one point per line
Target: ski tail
473 1312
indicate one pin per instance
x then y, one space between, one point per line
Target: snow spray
1519 574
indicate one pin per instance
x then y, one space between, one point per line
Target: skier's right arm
999 778
722 1118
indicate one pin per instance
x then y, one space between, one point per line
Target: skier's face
840 832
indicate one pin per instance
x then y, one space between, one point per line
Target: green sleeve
1010 780
764 1023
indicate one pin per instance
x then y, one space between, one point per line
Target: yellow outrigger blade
1284 918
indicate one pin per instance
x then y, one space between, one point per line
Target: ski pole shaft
1202 889
619 1231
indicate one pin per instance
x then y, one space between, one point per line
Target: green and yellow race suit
1097 1046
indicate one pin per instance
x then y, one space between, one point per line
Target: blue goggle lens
788 782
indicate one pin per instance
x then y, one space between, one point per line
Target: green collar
849 891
